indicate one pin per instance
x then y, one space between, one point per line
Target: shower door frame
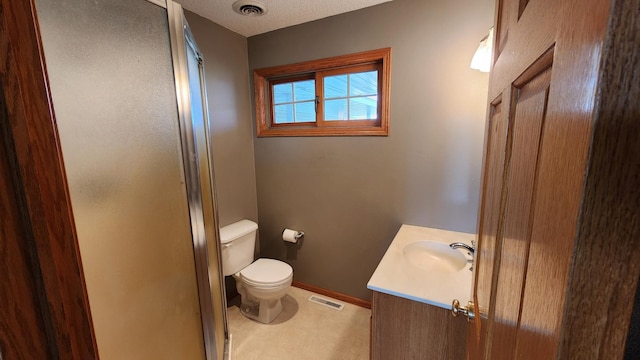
200 184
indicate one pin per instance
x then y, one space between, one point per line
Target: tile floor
303 331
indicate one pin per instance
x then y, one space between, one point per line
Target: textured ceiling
280 13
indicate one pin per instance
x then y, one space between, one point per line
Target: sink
434 256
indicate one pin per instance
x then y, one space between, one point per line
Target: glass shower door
112 83
126 83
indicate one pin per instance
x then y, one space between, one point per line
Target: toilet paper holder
290 235
298 235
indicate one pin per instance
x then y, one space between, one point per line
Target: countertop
395 276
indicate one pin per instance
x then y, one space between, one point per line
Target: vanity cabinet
403 329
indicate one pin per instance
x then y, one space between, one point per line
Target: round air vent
249 7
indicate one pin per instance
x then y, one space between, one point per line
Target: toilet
261 283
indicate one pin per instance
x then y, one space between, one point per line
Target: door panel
528 120
530 36
522 6
562 167
490 212
502 28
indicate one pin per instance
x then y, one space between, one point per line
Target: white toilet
261 284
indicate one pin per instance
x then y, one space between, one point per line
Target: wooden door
21 324
44 310
544 96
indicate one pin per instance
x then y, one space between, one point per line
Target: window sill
341 131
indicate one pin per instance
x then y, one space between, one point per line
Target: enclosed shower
126 80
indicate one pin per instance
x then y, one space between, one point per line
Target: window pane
282 93
304 90
335 86
335 109
365 83
363 108
305 111
283 114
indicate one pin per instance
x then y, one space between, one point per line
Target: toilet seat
267 273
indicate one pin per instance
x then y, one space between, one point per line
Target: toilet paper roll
291 236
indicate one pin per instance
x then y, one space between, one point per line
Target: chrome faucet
470 249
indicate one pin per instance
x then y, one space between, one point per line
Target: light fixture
250 7
482 58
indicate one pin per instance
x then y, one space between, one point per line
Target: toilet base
265 312
261 310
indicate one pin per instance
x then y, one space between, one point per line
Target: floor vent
326 302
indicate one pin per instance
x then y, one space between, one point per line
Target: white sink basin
434 256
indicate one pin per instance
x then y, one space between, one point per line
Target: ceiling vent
249 7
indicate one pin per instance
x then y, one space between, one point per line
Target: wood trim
301 77
308 124
326 131
351 69
336 295
259 98
606 263
261 83
319 101
353 123
326 63
344 124
42 180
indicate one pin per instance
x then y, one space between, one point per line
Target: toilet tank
238 242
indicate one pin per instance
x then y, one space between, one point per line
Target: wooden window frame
263 80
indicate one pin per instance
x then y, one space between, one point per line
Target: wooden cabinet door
404 329
541 97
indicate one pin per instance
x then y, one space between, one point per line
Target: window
344 95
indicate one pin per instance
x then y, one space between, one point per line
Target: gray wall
351 194
227 80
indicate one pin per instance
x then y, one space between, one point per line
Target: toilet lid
267 271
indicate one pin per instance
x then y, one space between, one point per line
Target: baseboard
333 294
